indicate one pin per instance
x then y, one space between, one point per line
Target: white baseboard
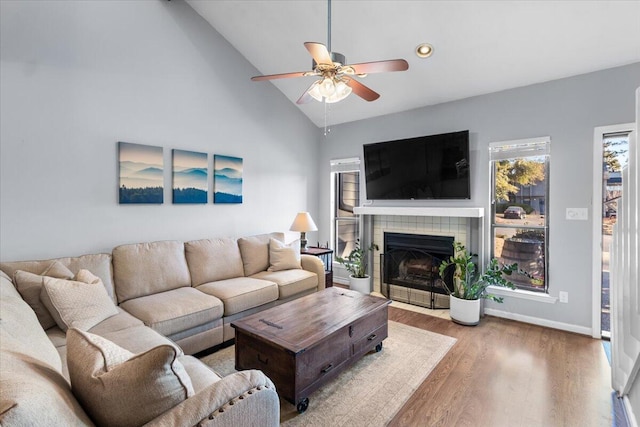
540 322
341 280
631 417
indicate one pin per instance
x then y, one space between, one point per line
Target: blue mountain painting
227 179
189 177
140 173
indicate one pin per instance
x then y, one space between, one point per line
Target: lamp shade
303 222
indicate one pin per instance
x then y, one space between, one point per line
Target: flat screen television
425 167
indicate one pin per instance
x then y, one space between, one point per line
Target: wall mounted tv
426 167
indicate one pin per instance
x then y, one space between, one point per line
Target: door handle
371 337
265 361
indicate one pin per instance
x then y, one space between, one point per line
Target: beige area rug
371 391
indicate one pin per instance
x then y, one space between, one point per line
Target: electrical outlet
580 214
563 297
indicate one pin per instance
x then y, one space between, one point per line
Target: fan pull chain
326 129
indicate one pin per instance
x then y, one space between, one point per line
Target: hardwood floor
507 373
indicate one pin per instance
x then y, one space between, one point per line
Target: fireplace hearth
409 268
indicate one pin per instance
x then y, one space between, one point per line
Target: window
345 179
519 208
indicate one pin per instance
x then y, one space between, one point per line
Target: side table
326 255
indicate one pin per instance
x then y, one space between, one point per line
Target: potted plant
467 287
356 264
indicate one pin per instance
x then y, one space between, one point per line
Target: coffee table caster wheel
303 405
379 348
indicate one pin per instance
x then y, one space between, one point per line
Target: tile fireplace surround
463 224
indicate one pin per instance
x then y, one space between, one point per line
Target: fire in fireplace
411 262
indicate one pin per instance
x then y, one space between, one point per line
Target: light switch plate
578 214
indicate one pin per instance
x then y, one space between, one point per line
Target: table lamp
303 223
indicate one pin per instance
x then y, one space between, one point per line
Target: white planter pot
362 285
464 311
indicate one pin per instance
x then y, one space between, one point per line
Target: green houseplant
467 286
356 265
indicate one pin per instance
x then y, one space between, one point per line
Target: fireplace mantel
421 211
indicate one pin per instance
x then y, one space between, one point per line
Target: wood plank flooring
507 373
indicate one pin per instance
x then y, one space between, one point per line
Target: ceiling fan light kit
336 78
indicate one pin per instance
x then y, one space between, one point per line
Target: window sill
521 294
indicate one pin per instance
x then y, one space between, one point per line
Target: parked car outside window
515 212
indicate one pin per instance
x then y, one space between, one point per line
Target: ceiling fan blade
280 76
319 52
380 66
361 90
305 98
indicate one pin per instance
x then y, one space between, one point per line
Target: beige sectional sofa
171 297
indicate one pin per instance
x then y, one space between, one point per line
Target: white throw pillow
284 256
30 287
77 304
118 388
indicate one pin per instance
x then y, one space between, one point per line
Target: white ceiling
479 46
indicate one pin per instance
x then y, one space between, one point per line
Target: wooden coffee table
304 343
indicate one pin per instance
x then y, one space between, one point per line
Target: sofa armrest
314 264
246 398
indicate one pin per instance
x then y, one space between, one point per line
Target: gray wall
76 77
567 110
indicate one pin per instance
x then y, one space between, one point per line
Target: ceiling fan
337 79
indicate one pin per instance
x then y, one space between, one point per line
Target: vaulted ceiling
479 46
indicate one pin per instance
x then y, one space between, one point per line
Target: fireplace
409 268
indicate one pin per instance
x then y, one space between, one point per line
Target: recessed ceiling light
424 50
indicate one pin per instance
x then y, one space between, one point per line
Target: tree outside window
519 209
346 196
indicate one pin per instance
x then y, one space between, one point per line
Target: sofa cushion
98 264
148 268
241 293
255 252
175 310
283 256
213 259
20 331
77 304
120 321
34 392
30 287
290 282
138 339
36 395
202 376
118 388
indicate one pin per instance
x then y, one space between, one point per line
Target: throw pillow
85 276
118 388
29 285
58 270
284 256
77 304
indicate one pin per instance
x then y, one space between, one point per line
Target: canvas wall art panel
228 179
190 171
141 173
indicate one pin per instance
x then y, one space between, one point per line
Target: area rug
372 390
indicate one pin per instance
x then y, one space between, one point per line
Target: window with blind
519 208
345 179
